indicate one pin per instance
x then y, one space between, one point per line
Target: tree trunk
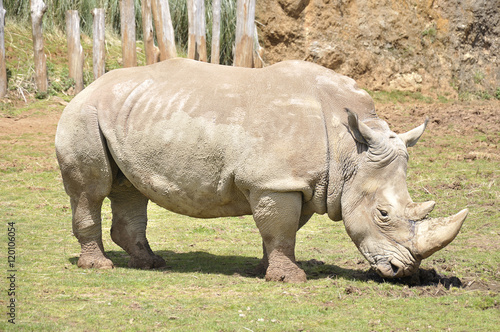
99 47
147 32
245 26
197 45
258 51
215 54
164 29
191 30
38 9
127 23
201 39
75 50
3 68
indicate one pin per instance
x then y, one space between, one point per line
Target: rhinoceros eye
383 214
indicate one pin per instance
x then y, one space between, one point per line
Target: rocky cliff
434 46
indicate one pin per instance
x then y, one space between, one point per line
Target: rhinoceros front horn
434 234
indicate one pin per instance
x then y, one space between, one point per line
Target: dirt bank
433 46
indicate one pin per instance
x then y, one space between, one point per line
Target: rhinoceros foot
95 261
151 262
93 256
286 273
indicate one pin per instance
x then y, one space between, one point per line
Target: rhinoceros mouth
393 268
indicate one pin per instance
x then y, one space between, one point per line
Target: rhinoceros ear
361 132
411 138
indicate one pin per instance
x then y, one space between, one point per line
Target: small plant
431 32
483 95
60 85
478 77
442 99
41 95
497 93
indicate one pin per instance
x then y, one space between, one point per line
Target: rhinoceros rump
280 143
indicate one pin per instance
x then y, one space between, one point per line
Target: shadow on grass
204 262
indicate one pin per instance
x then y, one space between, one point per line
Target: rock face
438 46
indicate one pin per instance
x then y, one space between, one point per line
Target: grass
208 285
54 20
398 97
20 67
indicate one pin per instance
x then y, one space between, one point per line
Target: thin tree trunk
127 23
75 50
164 29
245 26
258 51
197 45
215 53
191 30
38 9
99 47
201 39
147 32
3 68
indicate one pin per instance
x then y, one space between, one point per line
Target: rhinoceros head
391 231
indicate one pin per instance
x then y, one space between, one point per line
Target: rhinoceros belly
183 164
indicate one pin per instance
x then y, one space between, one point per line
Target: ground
454 119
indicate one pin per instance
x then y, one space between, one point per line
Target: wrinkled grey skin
280 143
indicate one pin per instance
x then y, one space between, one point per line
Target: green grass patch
209 284
397 97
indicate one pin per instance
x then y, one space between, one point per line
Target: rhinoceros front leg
264 263
128 230
277 216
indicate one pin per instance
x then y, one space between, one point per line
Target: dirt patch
478 121
36 121
452 118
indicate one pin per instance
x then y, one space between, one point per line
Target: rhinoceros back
197 138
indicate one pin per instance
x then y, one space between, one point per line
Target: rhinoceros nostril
395 269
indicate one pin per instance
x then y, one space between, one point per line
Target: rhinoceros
280 143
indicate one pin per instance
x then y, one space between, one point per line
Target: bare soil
434 47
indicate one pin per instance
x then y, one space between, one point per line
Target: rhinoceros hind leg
87 175
264 262
277 217
87 229
128 230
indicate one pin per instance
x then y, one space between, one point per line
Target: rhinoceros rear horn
411 138
418 211
434 234
361 132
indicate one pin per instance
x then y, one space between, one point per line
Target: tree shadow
204 262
